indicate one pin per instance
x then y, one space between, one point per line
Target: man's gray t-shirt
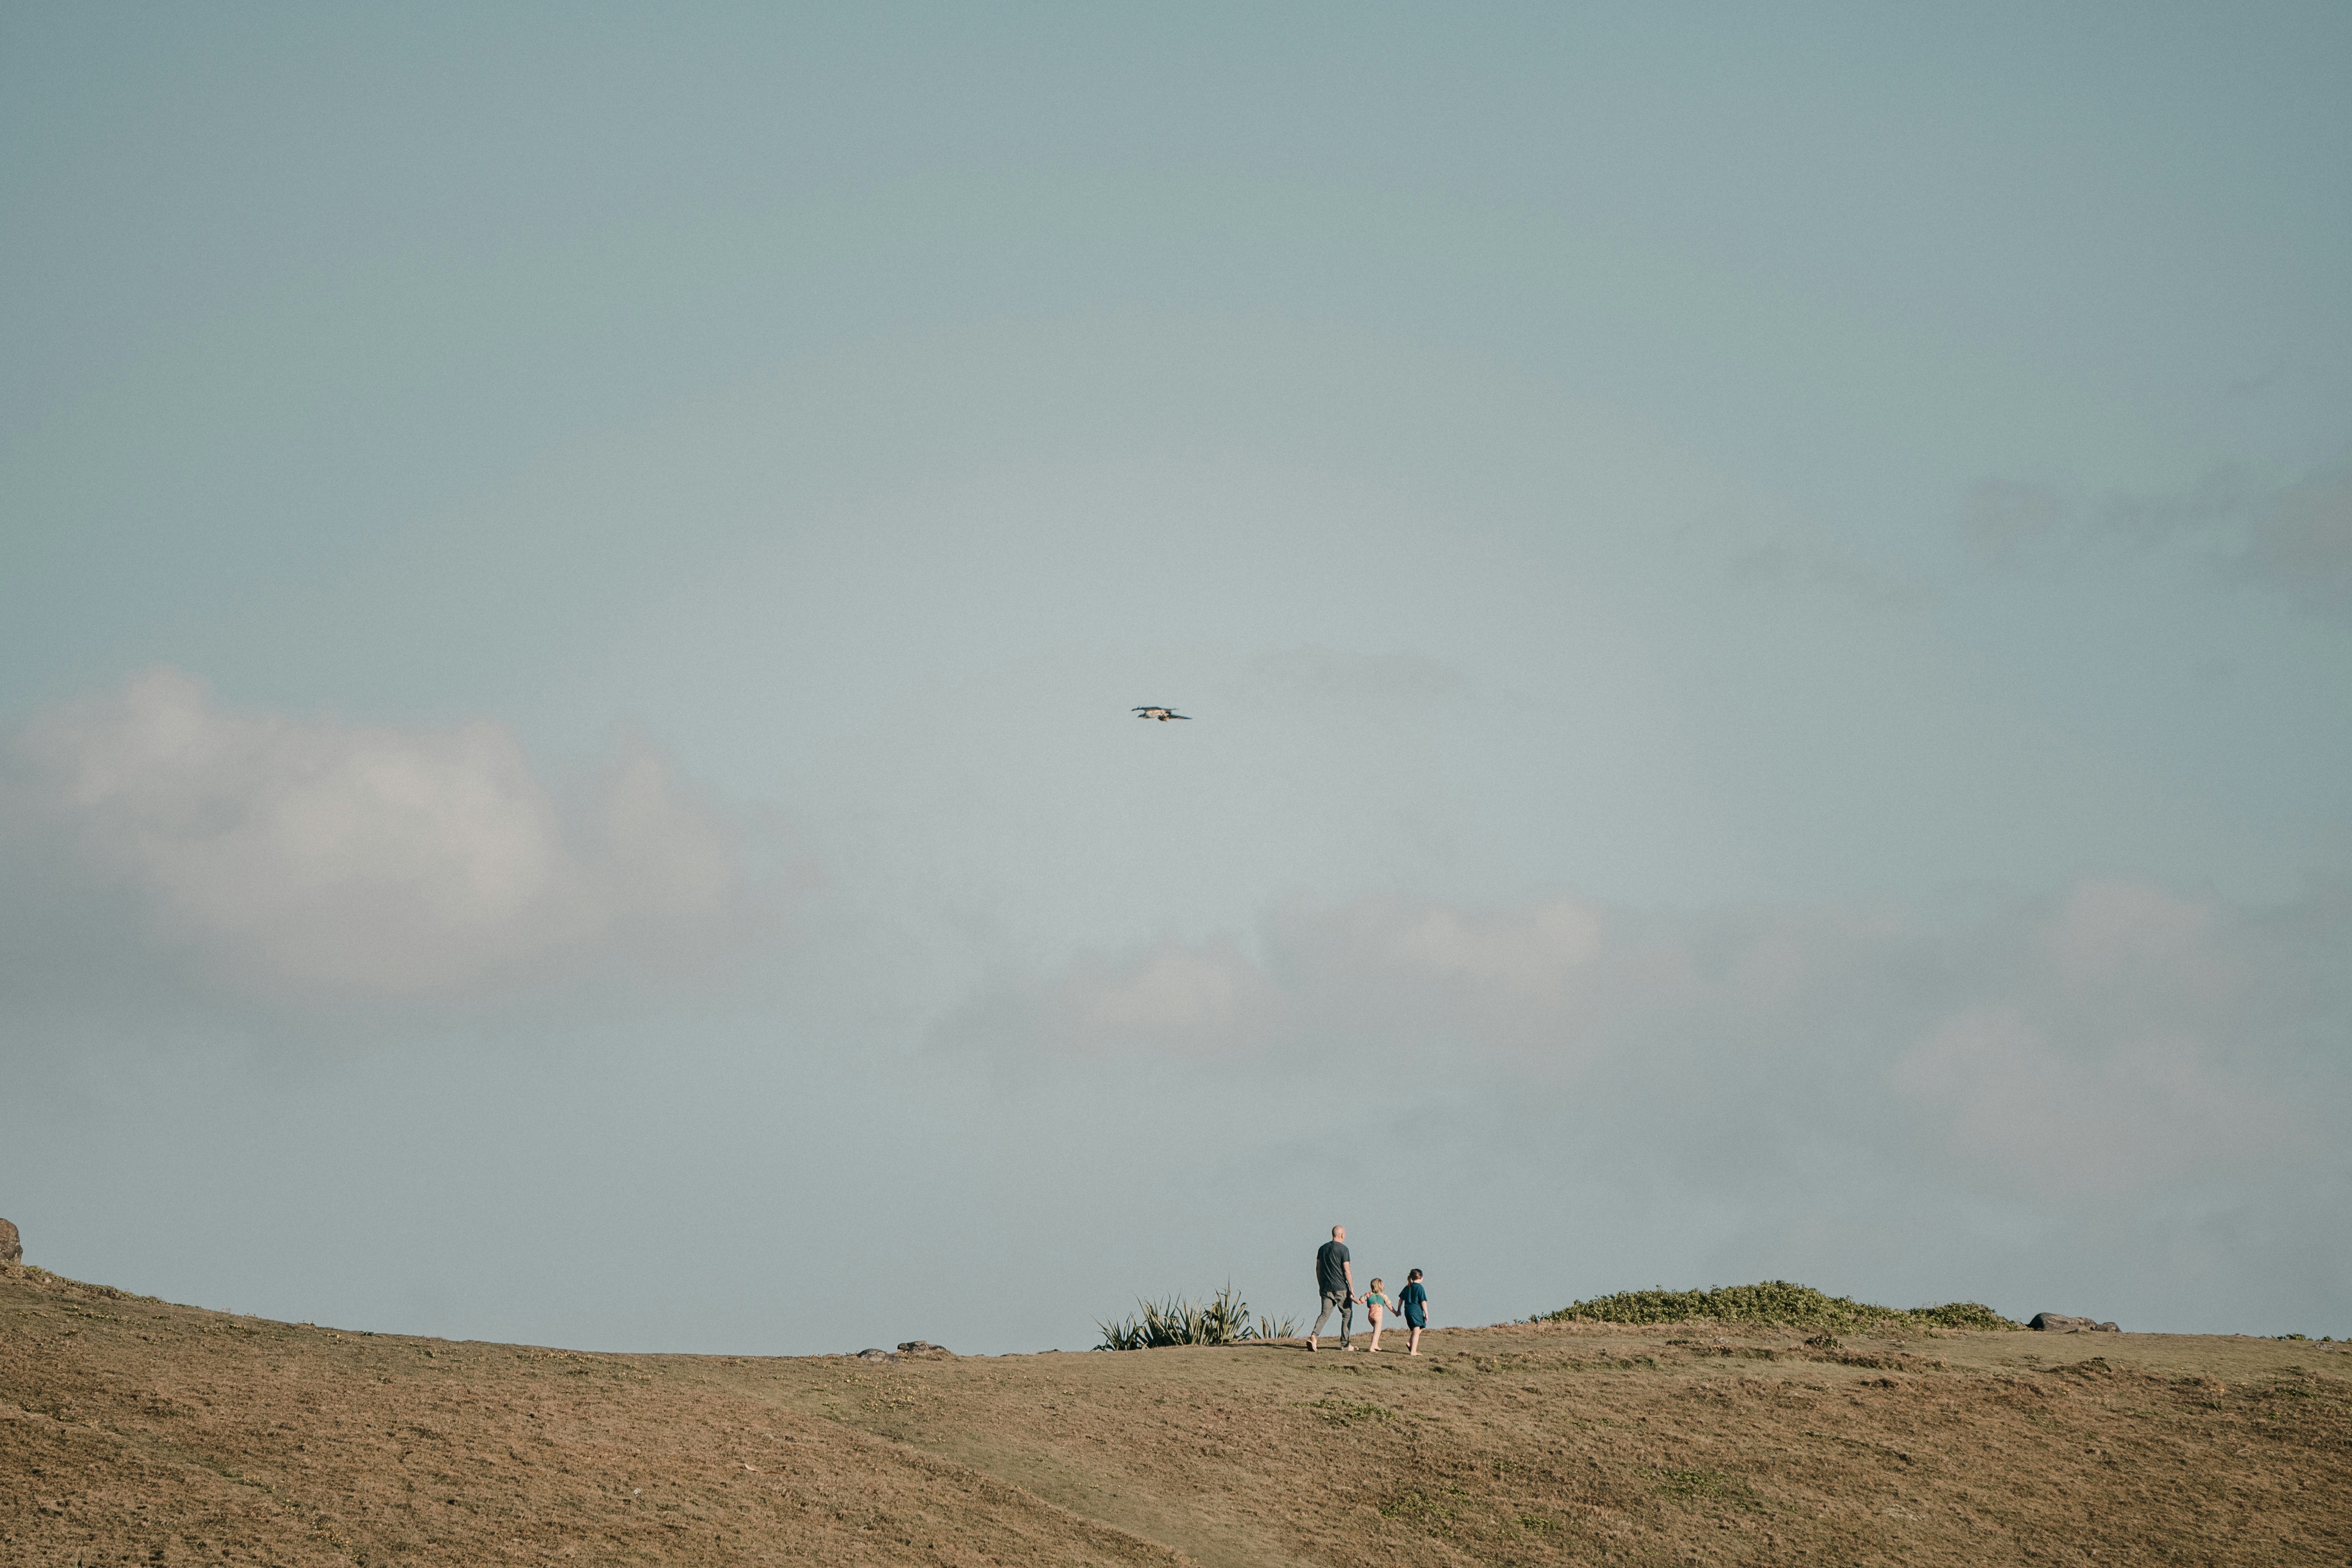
1330 1267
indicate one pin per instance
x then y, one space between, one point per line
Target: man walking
1335 1279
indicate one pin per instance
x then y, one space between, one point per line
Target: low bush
1223 1320
1776 1302
1963 1315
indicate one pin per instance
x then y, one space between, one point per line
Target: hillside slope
131 1431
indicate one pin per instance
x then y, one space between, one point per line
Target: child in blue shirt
1413 1302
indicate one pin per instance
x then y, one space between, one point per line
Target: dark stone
2060 1323
924 1349
12 1246
874 1354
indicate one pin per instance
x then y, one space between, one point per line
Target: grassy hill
133 1431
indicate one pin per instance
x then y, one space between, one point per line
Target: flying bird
1162 714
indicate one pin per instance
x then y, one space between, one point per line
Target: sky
1764 597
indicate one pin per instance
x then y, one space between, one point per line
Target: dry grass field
131 1431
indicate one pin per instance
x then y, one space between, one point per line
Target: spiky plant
1223 1320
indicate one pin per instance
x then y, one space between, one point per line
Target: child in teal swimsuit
1377 1306
1414 1301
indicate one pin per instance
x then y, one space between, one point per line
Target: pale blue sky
1767 595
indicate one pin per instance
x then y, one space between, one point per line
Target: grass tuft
1776 1302
1341 1414
1710 1484
1417 1508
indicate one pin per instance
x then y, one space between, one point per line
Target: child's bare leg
1375 1316
1415 1347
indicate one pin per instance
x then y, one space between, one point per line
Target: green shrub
1774 1301
1963 1315
1223 1320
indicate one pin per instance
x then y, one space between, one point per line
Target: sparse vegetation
1776 1301
1417 1508
1341 1413
1223 1320
1711 1484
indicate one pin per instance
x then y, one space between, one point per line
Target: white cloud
2290 538
2117 1040
2021 1113
2004 519
1530 954
1172 997
296 856
2303 541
